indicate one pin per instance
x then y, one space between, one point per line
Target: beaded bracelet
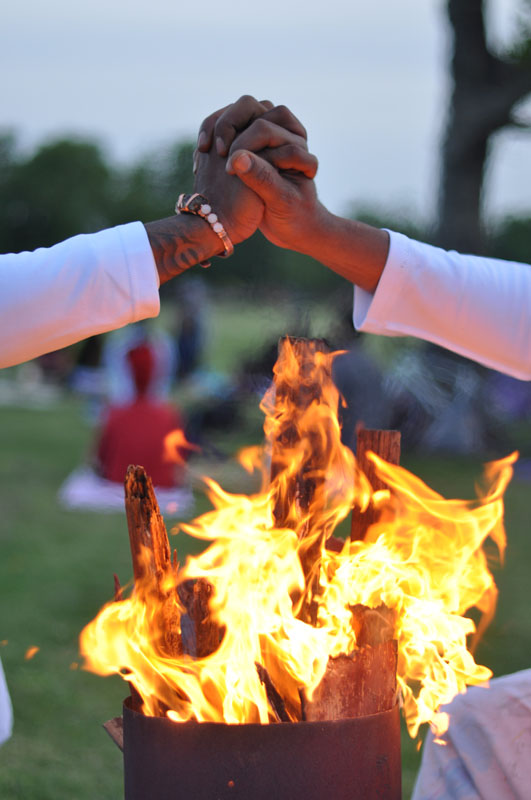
198 204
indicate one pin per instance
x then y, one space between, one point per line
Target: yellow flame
282 600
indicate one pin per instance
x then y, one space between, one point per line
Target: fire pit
351 759
270 665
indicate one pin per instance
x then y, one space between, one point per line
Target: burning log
274 698
385 444
200 635
192 633
150 551
362 682
301 497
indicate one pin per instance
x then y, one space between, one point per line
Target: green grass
56 571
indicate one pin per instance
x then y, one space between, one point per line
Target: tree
487 86
61 190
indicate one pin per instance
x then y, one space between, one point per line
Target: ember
257 628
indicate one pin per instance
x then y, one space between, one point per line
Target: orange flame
175 443
283 600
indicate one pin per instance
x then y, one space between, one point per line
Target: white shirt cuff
143 274
373 310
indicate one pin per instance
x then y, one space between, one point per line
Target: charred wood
150 552
201 636
276 703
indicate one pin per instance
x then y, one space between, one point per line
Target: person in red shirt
134 433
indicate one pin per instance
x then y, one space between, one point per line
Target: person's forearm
180 242
356 251
476 306
89 284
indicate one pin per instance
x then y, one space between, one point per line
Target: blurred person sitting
133 433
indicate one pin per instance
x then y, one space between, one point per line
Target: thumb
256 173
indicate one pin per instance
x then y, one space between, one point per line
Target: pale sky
368 79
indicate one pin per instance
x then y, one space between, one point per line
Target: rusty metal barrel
351 759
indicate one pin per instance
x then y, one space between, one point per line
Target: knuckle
283 112
221 126
261 126
246 99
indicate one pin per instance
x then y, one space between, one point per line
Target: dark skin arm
180 242
294 218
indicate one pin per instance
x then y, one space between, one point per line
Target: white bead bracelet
198 204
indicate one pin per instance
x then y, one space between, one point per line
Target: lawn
56 572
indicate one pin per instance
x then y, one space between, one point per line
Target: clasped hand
253 164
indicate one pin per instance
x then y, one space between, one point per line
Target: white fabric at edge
6 710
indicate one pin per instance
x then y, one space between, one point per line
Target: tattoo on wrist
179 243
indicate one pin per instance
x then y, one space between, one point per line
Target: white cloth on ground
487 750
89 284
84 489
478 307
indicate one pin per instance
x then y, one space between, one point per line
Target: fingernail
220 146
242 163
201 140
195 161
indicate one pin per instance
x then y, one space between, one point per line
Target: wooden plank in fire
295 499
194 632
364 681
386 445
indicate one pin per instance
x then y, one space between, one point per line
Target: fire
175 444
281 600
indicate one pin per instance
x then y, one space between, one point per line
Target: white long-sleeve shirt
89 284
478 307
